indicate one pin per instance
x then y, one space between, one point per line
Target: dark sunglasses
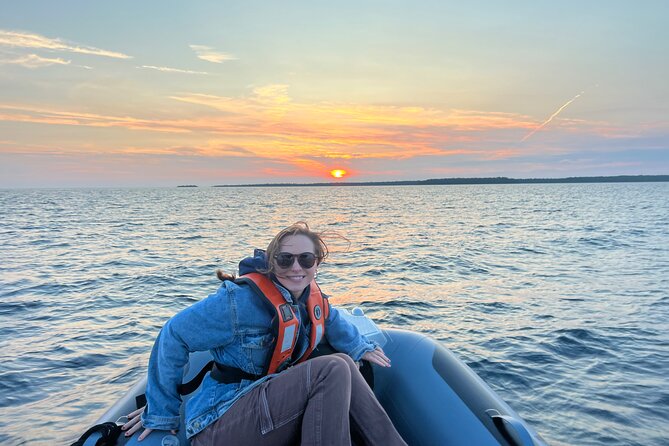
285 260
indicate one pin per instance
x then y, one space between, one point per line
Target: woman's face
295 277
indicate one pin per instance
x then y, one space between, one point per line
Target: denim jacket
234 324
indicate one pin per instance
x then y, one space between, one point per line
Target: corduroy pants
323 401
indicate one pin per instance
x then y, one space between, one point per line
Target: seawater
557 295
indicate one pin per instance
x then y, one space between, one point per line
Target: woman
260 329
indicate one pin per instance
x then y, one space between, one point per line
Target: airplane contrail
551 117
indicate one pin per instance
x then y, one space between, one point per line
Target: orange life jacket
288 322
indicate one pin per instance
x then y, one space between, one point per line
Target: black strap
184 388
220 372
109 433
192 385
228 375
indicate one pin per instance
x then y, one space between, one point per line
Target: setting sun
338 173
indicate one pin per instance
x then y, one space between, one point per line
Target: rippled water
556 295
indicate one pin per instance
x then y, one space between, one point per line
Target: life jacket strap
228 375
220 372
193 384
287 325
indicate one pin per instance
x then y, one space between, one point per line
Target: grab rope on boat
109 433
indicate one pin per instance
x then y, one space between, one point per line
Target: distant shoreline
456 181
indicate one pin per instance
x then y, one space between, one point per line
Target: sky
165 93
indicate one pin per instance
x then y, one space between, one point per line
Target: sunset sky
162 93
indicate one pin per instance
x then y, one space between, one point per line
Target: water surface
557 295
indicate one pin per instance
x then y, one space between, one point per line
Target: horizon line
463 180
638 178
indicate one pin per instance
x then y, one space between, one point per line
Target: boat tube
432 397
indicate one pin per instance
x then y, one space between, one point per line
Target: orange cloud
268 124
55 117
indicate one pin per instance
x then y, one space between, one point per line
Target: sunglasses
285 260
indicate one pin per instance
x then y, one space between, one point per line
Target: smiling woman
262 327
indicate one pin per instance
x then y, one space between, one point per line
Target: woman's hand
135 423
377 357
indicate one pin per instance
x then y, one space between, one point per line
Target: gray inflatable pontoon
432 397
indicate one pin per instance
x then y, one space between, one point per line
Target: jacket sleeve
345 337
202 326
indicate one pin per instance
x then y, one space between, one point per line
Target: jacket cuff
160 423
357 353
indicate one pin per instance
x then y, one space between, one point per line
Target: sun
338 173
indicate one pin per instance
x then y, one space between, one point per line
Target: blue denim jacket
234 324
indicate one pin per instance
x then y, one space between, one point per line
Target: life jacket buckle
283 366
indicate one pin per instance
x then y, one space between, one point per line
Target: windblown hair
224 276
299 228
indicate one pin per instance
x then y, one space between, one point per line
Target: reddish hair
299 228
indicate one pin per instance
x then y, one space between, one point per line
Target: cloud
35 61
210 54
207 149
58 117
272 94
272 123
172 70
17 39
270 126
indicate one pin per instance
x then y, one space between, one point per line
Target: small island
460 181
187 185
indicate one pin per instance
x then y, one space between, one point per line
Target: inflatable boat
431 396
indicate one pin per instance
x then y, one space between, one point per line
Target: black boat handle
511 428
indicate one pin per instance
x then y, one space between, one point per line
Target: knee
334 367
347 359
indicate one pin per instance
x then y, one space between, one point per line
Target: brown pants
323 401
